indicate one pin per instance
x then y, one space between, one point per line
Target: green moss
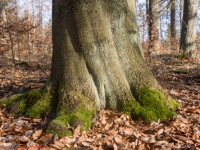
80 116
61 87
14 98
83 110
22 105
174 104
151 105
33 97
41 106
58 127
181 56
33 104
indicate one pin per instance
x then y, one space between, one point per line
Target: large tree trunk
153 26
98 62
188 31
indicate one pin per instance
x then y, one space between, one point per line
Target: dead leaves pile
112 130
117 131
16 133
21 77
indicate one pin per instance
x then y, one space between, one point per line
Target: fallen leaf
23 139
55 146
118 139
60 144
149 139
46 138
36 134
77 131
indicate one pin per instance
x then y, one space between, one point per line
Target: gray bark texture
97 50
97 58
188 31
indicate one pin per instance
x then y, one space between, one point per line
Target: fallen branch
40 67
180 71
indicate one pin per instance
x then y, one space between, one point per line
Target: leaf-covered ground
112 130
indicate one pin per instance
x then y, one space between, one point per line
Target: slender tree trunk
10 38
40 17
181 14
188 31
1 10
17 34
153 25
148 21
173 25
97 63
173 19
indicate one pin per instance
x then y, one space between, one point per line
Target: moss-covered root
80 111
33 104
151 105
80 117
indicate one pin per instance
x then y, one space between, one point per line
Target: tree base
150 105
78 112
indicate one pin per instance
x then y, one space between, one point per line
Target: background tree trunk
97 61
1 10
173 24
188 31
153 25
173 19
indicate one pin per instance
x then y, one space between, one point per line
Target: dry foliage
115 130
21 77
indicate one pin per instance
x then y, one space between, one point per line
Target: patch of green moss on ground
174 104
83 110
33 104
38 105
181 56
33 96
14 98
58 127
79 116
151 105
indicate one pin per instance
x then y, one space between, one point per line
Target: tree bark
188 31
173 26
98 62
1 10
153 26
173 19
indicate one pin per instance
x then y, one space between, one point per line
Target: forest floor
112 130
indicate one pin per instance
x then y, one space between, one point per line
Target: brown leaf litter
117 131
